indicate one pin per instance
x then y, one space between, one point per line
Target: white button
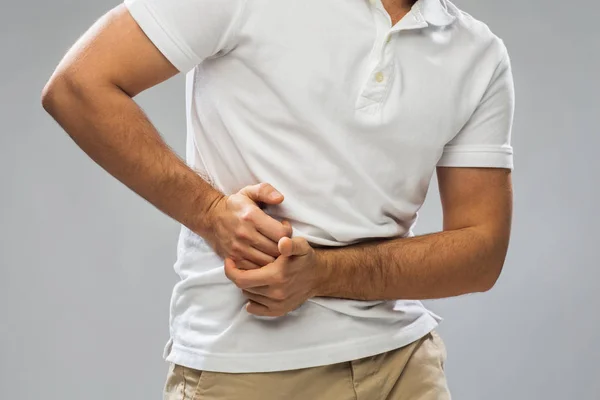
379 77
389 38
372 2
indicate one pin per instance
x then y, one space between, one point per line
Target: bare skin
467 257
90 95
397 9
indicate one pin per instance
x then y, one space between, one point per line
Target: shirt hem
477 158
298 359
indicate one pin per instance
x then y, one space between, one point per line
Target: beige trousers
413 372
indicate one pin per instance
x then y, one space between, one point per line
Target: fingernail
274 195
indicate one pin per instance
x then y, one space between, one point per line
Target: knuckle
229 200
263 186
236 247
248 214
279 294
242 233
236 256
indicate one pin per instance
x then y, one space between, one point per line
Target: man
314 128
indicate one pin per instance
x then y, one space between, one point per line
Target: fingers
297 246
288 227
270 227
267 307
248 234
231 270
261 299
262 193
264 244
246 265
263 306
285 245
250 279
251 254
259 310
257 238
265 224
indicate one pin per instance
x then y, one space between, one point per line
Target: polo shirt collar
434 12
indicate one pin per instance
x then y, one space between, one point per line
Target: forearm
439 265
110 127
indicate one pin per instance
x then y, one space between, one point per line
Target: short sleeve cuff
180 55
477 157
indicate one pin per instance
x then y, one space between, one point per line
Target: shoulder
477 35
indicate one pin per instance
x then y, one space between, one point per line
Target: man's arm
466 257
475 186
90 96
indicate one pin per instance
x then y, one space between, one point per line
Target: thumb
288 228
262 193
297 246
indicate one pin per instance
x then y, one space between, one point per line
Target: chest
348 65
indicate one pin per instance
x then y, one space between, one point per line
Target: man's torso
345 114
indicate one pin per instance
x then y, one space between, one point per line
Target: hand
244 233
281 286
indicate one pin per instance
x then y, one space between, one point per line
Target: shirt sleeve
188 31
485 140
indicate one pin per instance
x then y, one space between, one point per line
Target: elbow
60 90
494 256
48 96
490 276
54 89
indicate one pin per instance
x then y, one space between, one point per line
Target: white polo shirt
348 117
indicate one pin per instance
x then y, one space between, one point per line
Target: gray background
86 265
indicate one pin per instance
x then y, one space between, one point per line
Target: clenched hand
283 285
242 231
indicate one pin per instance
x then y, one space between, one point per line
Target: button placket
380 74
382 59
379 82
